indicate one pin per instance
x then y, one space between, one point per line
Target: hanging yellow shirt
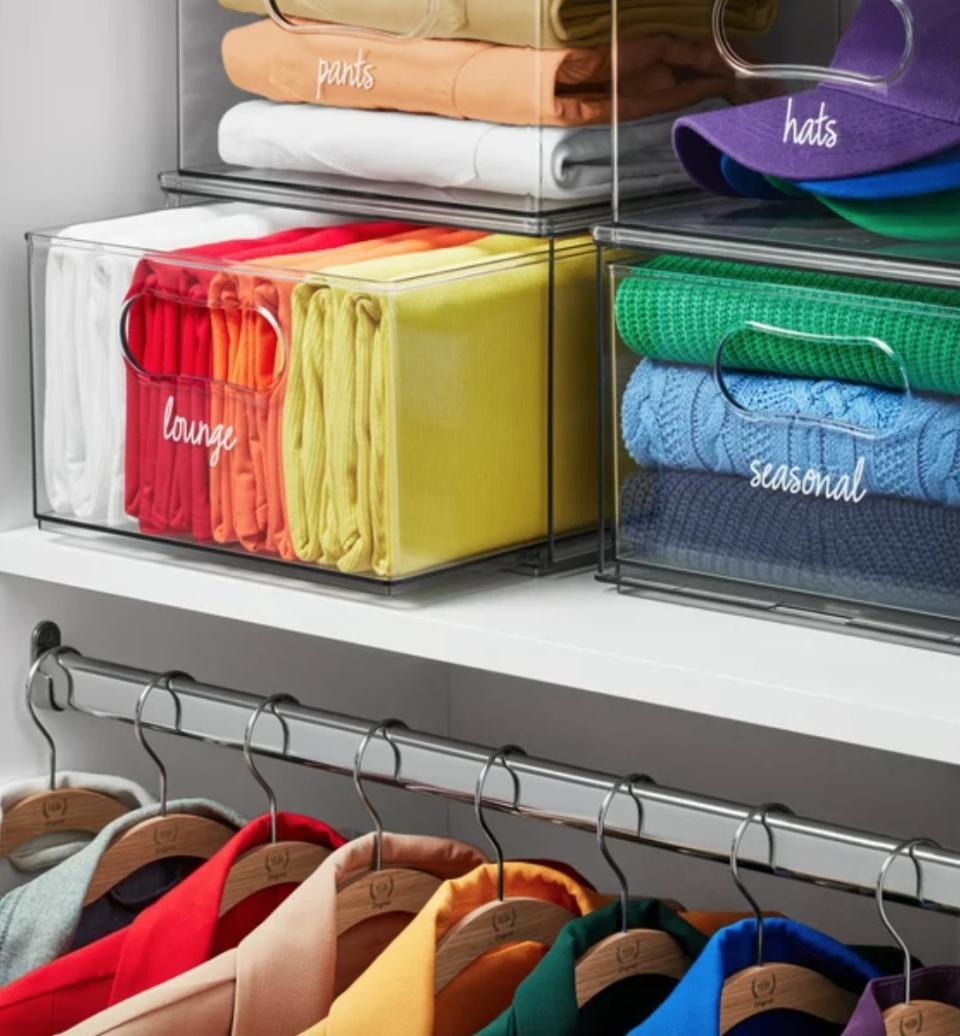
395 994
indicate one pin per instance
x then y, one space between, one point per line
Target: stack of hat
885 158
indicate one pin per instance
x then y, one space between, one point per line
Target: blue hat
931 176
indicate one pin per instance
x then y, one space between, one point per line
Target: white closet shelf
568 631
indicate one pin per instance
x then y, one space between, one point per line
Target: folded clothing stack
778 397
478 100
884 157
370 396
83 407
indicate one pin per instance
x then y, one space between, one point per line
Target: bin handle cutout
268 315
430 20
813 73
818 422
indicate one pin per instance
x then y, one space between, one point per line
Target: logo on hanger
911 1024
277 864
165 837
847 489
628 956
357 75
820 132
217 439
55 811
504 921
764 989
381 892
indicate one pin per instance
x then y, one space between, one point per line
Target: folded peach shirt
464 79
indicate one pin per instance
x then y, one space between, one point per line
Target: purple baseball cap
839 131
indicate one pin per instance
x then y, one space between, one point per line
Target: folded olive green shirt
526 23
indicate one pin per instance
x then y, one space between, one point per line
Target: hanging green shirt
545 1003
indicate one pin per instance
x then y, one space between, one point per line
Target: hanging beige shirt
525 23
286 974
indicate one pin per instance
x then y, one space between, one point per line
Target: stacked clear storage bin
782 404
366 399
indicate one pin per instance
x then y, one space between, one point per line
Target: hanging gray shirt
40 921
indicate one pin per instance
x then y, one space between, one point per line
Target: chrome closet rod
696 825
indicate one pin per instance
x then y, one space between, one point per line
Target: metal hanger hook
760 813
498 755
164 681
383 728
35 668
270 703
628 782
910 847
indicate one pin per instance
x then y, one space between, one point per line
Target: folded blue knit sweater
675 416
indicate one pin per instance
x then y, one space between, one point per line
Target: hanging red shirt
179 932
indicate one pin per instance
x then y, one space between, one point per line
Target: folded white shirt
84 374
46 851
549 163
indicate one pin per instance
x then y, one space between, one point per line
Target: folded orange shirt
247 499
466 79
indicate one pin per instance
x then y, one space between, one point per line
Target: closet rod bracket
46 635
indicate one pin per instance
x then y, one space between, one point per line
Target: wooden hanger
929 1017
505 920
627 952
56 809
394 890
163 837
775 986
277 862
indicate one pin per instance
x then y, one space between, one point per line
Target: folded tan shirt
525 23
466 79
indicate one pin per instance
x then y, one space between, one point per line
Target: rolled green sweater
681 309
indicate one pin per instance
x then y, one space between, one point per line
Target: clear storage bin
738 59
782 399
496 112
365 400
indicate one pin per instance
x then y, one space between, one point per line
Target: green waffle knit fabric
681 309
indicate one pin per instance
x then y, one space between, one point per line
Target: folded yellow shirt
526 23
423 434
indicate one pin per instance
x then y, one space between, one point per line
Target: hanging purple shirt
941 984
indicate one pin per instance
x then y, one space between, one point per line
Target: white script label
782 478
217 439
821 131
359 74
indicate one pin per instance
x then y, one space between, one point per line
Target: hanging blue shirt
694 1006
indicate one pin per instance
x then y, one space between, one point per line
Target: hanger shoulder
277 863
929 1017
160 838
620 956
784 987
47 812
496 924
390 891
